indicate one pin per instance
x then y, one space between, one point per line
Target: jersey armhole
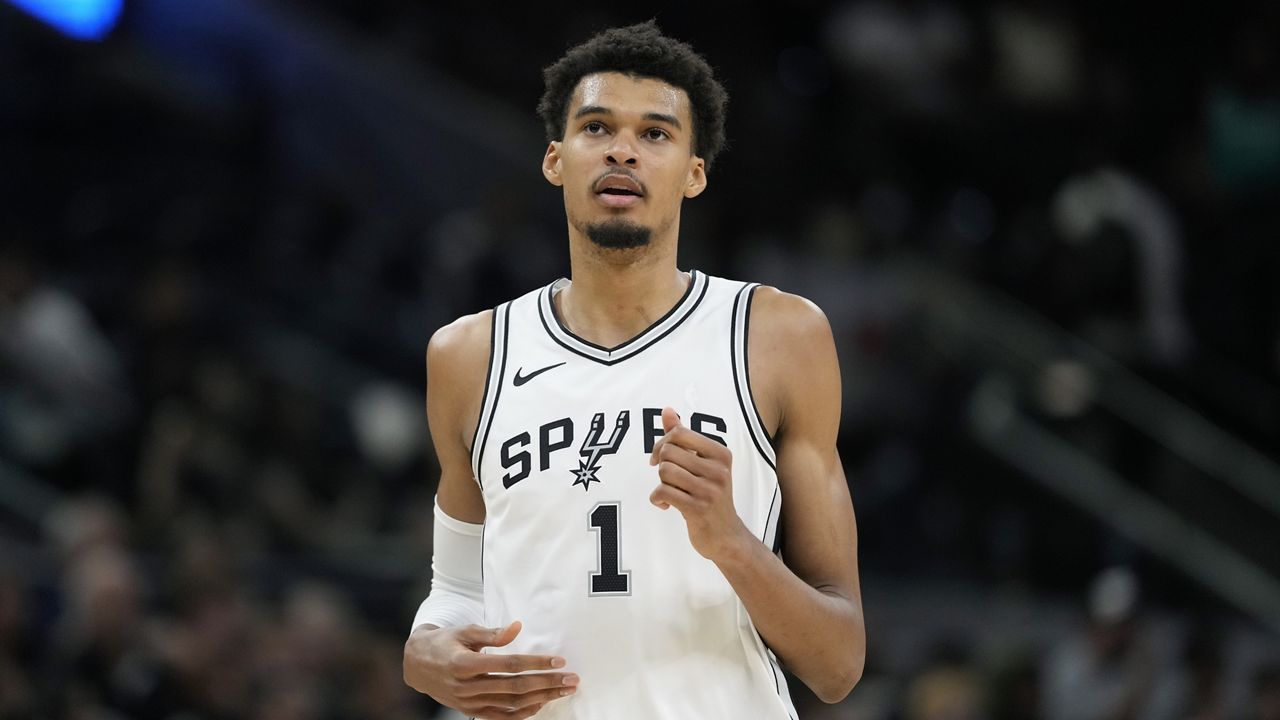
498 337
740 327
739 330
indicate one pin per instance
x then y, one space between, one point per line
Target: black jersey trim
484 396
681 311
773 524
768 519
693 281
746 367
499 315
482 529
778 527
744 398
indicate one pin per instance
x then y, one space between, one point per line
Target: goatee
618 234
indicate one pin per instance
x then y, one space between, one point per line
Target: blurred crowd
211 347
181 632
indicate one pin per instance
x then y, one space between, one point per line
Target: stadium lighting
80 19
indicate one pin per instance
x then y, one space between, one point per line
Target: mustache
621 172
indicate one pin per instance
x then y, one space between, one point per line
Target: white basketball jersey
572 546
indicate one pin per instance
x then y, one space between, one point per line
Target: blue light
80 19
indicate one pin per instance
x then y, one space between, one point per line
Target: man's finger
670 419
665 496
478 664
692 440
679 473
513 685
516 702
478 636
697 464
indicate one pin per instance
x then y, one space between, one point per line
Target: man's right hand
448 665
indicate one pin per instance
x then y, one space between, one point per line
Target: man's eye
656 134
593 128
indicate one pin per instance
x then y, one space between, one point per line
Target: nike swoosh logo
522 379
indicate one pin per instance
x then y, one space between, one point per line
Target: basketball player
620 450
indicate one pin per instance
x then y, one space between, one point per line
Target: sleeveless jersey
572 546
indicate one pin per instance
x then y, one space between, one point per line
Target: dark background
1044 233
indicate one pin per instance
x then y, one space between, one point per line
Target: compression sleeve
457 591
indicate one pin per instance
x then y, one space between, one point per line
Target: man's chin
618 234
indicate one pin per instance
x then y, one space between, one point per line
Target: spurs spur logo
594 447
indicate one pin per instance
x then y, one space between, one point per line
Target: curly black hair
640 51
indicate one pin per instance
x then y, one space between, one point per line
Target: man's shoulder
463 339
785 315
792 357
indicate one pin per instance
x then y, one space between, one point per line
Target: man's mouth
619 185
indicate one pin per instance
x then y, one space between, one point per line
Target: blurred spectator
104 657
1107 672
906 55
61 386
209 647
1037 55
84 525
319 628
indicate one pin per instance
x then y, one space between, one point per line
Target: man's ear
697 181
551 164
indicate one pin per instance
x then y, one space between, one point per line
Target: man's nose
621 151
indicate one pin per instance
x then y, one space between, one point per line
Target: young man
619 451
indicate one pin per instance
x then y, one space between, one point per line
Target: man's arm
449 663
457 363
808 610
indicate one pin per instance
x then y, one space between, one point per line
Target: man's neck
614 298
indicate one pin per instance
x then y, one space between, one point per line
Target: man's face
626 160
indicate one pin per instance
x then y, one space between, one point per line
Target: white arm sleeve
457 591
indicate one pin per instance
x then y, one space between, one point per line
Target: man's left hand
696 479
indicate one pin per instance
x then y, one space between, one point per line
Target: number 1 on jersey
605 519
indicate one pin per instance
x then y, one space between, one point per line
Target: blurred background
1045 234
